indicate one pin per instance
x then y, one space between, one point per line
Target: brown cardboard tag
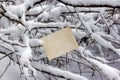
59 43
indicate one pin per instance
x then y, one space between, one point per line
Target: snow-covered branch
92 3
94 23
59 73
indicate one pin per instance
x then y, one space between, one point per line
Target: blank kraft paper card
59 43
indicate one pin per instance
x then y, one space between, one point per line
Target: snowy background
94 23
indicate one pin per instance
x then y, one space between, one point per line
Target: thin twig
6 68
6 55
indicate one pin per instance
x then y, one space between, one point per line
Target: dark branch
6 55
12 43
38 2
3 14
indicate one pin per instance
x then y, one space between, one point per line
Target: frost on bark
94 23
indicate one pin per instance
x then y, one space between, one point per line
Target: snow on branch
36 42
23 24
110 72
92 3
31 24
12 42
49 70
15 12
58 73
104 43
8 14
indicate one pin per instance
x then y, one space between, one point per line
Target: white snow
4 22
93 2
36 10
116 18
104 43
55 13
44 16
104 35
79 34
52 14
32 24
26 55
36 42
7 46
11 15
110 72
56 71
114 34
17 9
84 51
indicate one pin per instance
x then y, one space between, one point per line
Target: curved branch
54 71
38 2
59 73
8 17
12 42
92 3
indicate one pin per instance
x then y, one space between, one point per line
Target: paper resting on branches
59 43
